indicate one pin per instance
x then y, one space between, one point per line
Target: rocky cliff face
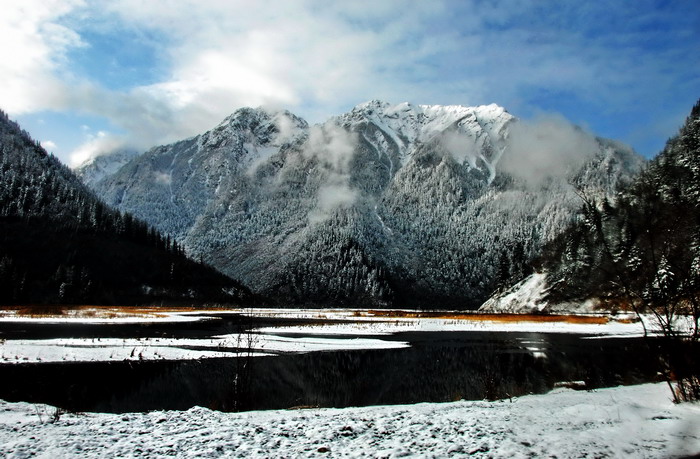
387 204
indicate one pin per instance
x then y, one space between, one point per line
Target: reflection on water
536 343
439 366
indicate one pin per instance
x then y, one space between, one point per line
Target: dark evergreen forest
60 244
642 248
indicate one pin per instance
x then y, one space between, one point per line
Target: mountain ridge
383 205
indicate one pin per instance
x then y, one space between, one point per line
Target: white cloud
163 178
222 55
547 147
95 145
331 196
333 147
462 148
32 54
321 58
49 145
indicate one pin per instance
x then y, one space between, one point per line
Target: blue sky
85 77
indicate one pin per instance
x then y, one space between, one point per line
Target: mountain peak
258 125
374 104
246 115
96 168
375 109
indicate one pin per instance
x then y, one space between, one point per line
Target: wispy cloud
95 145
546 147
332 148
49 145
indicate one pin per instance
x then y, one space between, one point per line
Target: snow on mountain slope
530 296
401 128
95 169
253 134
386 204
170 186
526 296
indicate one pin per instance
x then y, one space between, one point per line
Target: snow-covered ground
633 421
368 322
379 326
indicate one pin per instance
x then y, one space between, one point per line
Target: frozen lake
307 358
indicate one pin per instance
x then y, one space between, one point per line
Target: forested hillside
60 244
641 248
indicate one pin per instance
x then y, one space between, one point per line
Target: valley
349 229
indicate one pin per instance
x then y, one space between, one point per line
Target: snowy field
326 330
633 421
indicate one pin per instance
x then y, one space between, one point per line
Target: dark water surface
439 366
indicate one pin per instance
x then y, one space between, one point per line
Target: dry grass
110 312
504 318
90 311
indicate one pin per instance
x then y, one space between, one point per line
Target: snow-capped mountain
95 169
399 129
402 204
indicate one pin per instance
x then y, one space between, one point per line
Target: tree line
641 251
60 244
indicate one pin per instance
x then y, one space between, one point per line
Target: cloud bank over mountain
151 73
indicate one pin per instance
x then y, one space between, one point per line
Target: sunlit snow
632 421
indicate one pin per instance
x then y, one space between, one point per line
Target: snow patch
260 343
526 296
530 296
